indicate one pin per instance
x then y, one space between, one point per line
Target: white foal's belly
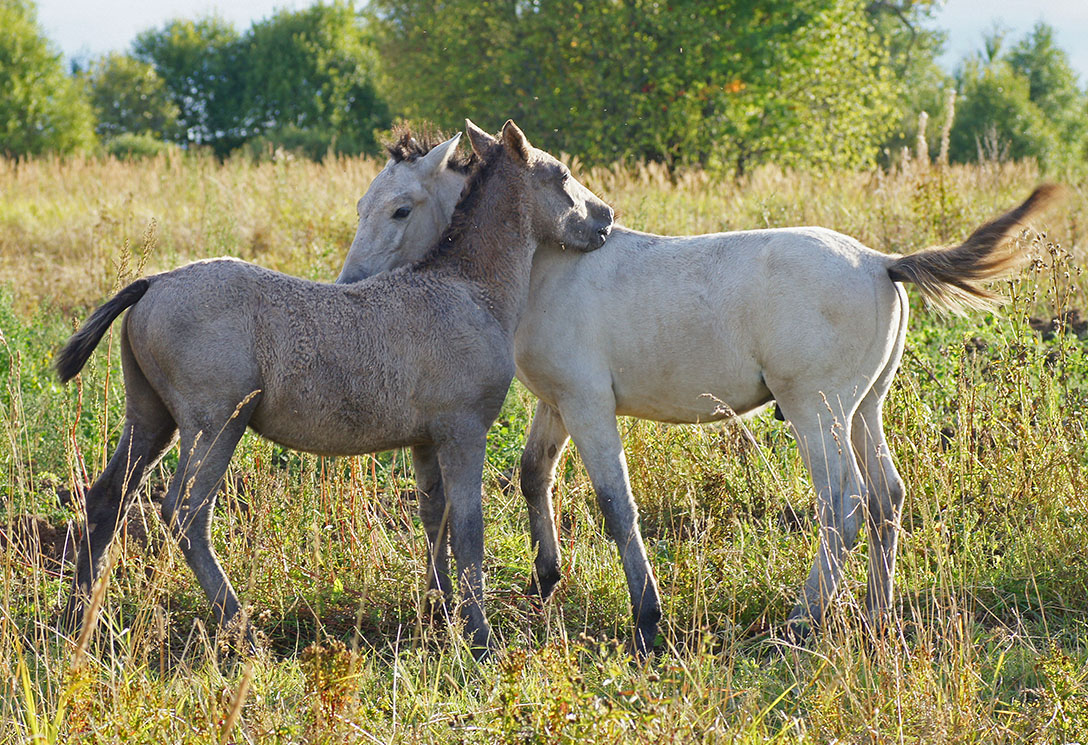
643 395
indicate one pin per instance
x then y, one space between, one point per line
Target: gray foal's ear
436 160
515 140
479 139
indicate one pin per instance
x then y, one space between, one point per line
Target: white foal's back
672 319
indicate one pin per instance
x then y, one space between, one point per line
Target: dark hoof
795 633
881 628
70 622
234 647
70 618
544 583
480 644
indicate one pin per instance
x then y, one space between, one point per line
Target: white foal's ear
436 160
515 141
479 139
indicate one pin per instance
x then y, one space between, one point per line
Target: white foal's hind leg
822 427
885 503
593 429
886 492
547 438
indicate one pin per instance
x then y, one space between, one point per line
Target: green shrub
130 145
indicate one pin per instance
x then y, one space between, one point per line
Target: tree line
720 84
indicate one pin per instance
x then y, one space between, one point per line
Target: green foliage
725 84
198 62
995 117
42 109
301 80
1021 104
1053 88
913 48
308 80
129 97
128 145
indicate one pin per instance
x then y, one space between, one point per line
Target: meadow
987 421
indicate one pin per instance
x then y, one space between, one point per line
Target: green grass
987 421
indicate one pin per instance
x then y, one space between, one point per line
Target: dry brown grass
987 421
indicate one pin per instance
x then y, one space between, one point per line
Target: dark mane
470 195
409 146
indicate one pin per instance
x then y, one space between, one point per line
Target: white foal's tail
950 277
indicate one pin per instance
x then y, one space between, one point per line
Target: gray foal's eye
402 212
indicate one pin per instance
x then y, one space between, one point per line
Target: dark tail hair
949 277
71 359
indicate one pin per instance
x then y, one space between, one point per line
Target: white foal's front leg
593 428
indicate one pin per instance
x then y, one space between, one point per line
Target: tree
724 84
309 77
198 61
41 108
1052 87
995 118
129 97
913 48
1020 103
299 79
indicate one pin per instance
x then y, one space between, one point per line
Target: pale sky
91 28
968 21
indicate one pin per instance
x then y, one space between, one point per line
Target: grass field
987 421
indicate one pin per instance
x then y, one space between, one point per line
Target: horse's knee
897 493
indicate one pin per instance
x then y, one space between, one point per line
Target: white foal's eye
402 212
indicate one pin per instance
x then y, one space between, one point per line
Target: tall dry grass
987 421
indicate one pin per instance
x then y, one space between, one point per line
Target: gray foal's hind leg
187 509
461 459
594 431
107 501
149 432
432 511
547 438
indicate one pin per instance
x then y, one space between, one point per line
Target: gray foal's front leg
547 438
461 459
432 510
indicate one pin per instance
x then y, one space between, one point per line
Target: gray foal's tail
71 359
949 277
